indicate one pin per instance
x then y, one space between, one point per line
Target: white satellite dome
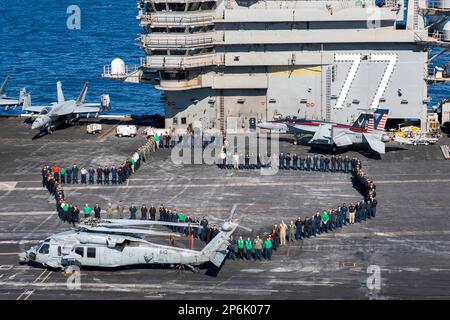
446 31
117 66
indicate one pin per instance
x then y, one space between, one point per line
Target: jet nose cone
36 124
40 122
264 125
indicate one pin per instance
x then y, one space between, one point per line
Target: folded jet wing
35 109
83 109
26 106
342 139
323 134
375 143
70 107
297 130
3 87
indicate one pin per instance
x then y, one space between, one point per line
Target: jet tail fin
380 118
3 87
22 94
375 143
362 121
83 93
59 92
25 99
217 248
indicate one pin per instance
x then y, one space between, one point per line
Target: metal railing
435 71
425 37
392 3
179 62
177 41
172 18
107 71
437 35
362 3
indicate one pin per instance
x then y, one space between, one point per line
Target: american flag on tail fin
380 118
370 125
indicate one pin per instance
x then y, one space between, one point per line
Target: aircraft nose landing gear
50 129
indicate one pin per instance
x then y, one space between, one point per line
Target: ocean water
438 92
37 49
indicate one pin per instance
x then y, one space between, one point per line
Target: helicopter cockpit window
44 249
59 250
91 252
79 251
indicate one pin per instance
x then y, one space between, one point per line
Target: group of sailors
285 162
189 139
101 174
54 177
363 184
166 140
320 222
314 163
67 212
258 248
71 214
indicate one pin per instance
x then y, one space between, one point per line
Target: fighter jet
367 129
8 102
113 243
63 111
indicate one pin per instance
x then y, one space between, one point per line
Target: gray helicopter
111 243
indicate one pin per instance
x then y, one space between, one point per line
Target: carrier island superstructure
259 60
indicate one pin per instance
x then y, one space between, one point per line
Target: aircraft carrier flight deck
409 239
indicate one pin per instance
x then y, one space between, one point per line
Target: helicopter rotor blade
129 231
115 223
233 210
245 228
213 218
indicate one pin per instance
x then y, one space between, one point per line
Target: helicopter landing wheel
183 267
179 268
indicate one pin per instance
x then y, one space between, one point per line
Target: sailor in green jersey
248 248
62 172
324 217
87 211
241 247
268 248
181 218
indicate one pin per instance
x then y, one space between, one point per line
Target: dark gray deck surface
409 240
